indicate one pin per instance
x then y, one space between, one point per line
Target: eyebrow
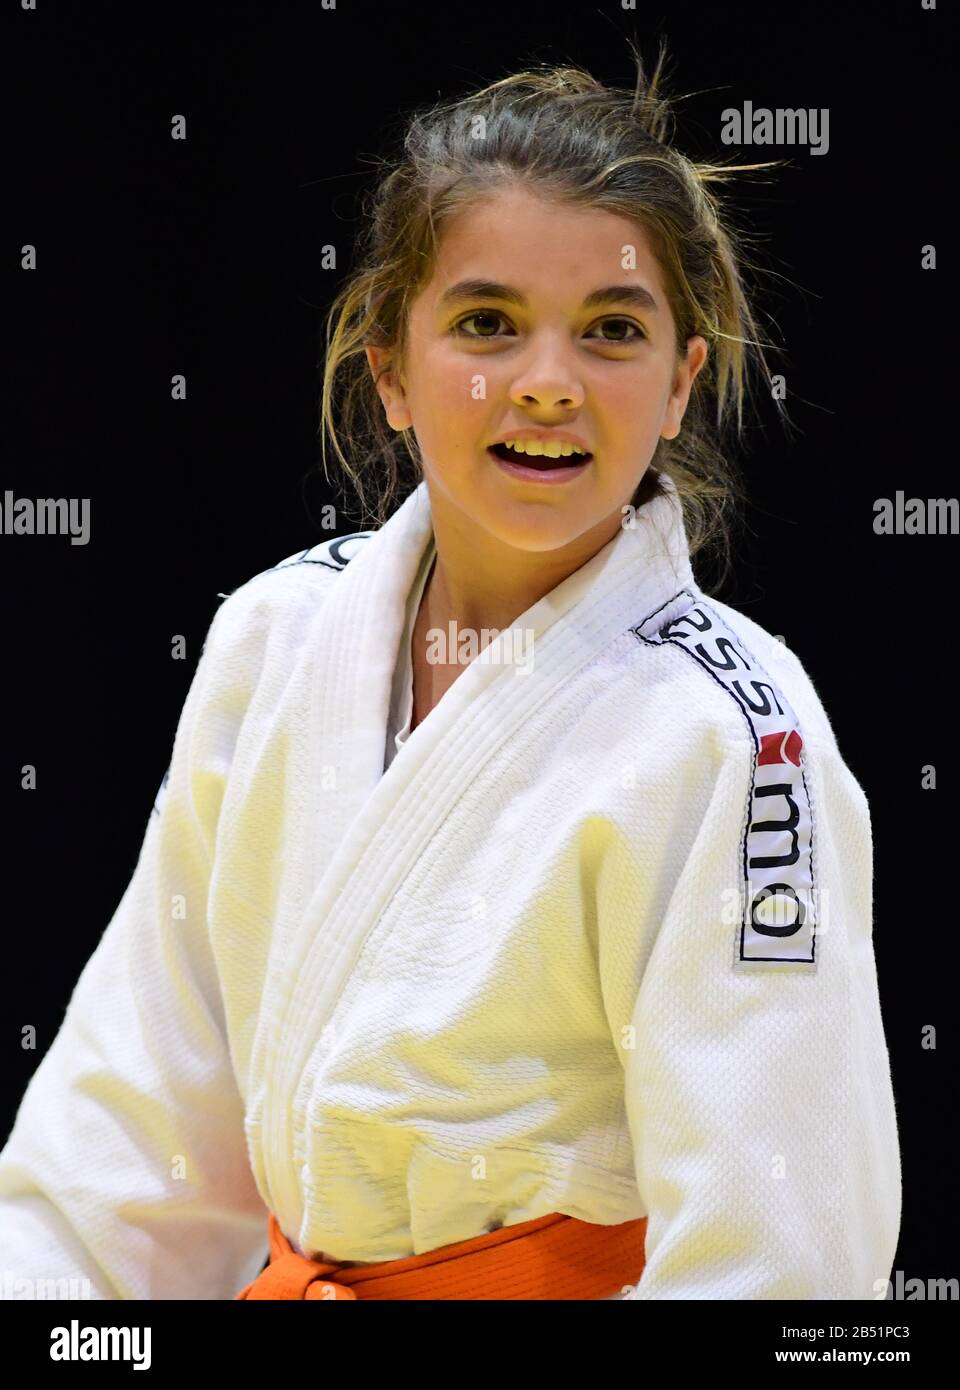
636 295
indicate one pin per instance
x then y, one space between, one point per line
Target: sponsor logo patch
334 554
778 917
161 795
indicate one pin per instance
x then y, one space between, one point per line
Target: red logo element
780 748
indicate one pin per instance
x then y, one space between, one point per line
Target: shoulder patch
778 910
335 554
161 795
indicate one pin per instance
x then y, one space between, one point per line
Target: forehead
542 247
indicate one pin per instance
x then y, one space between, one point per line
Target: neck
477 581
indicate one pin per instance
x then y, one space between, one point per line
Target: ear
389 387
687 369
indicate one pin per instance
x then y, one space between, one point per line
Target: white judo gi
597 942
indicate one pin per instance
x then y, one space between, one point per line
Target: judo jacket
597 942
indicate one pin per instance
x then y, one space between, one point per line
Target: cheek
445 416
634 402
636 393
451 394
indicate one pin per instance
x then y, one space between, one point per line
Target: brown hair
563 133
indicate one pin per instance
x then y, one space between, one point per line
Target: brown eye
628 323
480 314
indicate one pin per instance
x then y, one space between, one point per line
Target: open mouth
542 461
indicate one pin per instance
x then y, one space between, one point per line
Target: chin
538 529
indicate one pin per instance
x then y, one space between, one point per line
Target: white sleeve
127 1163
760 1103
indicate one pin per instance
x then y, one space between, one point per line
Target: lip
540 475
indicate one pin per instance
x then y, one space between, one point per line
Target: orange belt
551 1257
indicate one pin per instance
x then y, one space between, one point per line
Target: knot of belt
294 1276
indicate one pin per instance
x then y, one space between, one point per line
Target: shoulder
259 630
777 668
276 603
251 646
740 676
304 575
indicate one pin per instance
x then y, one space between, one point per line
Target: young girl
503 928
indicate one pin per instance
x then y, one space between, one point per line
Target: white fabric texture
510 975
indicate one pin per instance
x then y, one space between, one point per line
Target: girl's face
539 349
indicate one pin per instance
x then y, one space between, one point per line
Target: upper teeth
552 448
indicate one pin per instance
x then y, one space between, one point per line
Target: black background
201 256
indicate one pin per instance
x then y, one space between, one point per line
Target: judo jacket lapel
361 830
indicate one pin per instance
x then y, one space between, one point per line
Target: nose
547 377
